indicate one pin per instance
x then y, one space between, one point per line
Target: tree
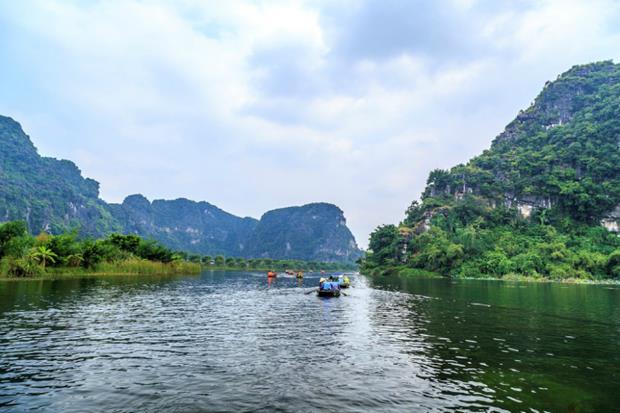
219 260
413 214
8 232
613 264
154 251
42 255
384 245
74 260
129 243
195 258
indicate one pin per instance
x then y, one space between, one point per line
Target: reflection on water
239 342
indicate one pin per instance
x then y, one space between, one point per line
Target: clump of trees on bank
467 239
221 262
24 255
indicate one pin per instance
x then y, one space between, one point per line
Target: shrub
19 267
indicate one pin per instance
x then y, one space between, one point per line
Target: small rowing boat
328 288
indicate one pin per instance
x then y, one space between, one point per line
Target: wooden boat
272 274
328 288
345 282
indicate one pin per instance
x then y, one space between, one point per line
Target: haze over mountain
51 195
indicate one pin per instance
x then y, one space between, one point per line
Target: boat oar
311 291
343 293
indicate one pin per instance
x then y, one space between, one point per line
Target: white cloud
257 105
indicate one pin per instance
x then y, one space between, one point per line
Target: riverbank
414 272
265 269
125 267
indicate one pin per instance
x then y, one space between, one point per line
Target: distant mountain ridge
52 195
186 225
285 232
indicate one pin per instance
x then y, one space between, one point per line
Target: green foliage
383 246
613 264
129 243
43 255
19 267
13 239
315 231
52 195
561 157
22 255
280 265
574 165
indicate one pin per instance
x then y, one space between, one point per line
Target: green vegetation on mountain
48 194
51 195
195 227
543 201
315 231
22 255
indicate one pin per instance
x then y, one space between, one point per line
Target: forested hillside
48 194
51 195
543 201
315 230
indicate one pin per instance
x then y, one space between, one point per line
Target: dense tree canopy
532 203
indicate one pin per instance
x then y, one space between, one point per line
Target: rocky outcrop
612 220
186 225
311 232
47 193
559 101
561 153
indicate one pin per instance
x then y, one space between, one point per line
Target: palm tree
43 255
74 260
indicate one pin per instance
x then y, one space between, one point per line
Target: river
232 341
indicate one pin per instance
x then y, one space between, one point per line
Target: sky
256 105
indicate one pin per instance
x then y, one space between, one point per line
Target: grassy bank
132 266
414 272
400 271
23 255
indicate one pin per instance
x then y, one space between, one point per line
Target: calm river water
231 342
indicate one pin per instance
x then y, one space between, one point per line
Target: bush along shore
220 262
23 255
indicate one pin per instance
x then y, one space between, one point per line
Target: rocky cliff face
562 99
48 194
561 154
310 232
51 195
186 225
532 204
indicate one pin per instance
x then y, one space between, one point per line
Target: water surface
231 341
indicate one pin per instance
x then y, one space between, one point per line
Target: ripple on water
233 342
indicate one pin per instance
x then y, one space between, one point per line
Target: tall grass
130 266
